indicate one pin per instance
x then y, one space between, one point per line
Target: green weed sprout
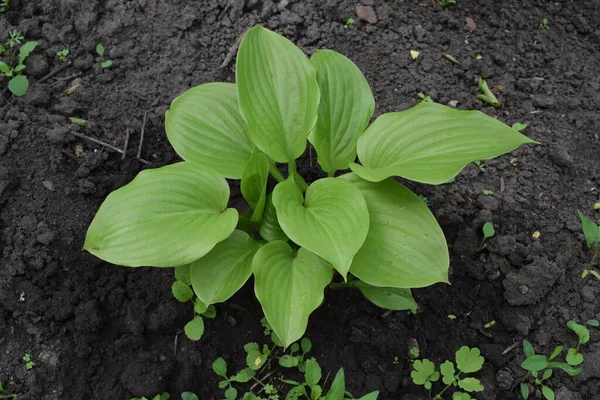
591 231
445 3
29 364
13 67
486 94
488 232
4 6
63 54
539 367
468 360
349 224
258 358
4 394
167 396
103 62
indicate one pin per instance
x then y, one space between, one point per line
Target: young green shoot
4 8
591 231
467 361
29 364
486 94
488 192
445 3
349 21
103 62
488 232
544 23
5 394
13 67
62 55
480 165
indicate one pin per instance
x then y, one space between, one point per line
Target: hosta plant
361 225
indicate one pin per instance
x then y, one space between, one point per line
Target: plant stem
275 172
595 256
291 167
339 285
331 174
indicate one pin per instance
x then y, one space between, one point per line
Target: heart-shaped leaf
254 183
289 287
269 225
386 297
204 125
345 109
165 217
278 93
331 221
18 85
431 143
225 269
405 246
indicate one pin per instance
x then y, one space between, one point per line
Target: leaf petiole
275 172
291 167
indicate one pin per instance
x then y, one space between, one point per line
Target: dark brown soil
98 331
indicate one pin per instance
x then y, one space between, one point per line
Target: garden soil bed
98 331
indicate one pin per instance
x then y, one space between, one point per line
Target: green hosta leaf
469 360
470 385
278 93
165 217
182 291
448 372
25 50
338 387
405 246
254 183
225 269
431 143
182 273
345 109
548 393
18 85
581 331
386 297
524 390
289 286
528 349
194 329
332 220
535 363
269 225
312 375
204 125
573 357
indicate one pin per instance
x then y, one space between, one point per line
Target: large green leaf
331 221
386 297
165 217
289 286
405 247
278 93
204 125
345 109
254 183
431 143
225 269
269 225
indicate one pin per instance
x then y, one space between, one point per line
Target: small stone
366 13
504 379
232 321
58 135
368 2
46 238
561 158
50 359
453 103
49 185
565 394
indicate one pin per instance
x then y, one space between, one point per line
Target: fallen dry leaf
471 25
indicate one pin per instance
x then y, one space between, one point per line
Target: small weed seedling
591 231
63 54
488 232
444 3
486 94
4 6
167 396
13 68
301 235
349 21
539 367
183 292
258 363
488 192
4 394
544 23
100 51
517 126
480 165
28 363
467 361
